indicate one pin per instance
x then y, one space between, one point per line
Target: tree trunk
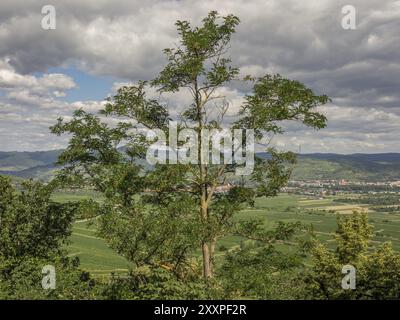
212 251
205 246
207 269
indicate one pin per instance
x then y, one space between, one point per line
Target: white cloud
31 90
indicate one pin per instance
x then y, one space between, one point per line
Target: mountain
358 166
38 165
363 167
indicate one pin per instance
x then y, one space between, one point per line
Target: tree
33 230
260 270
161 215
377 268
30 223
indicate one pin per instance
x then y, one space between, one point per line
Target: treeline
372 200
390 209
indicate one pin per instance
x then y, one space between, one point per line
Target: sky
99 45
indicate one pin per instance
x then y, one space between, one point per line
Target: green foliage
31 224
352 236
32 231
23 280
261 271
160 236
254 229
85 209
377 268
131 102
260 274
199 45
276 99
155 283
273 173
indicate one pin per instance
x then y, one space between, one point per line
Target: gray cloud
304 40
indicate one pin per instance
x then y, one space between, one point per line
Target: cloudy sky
99 44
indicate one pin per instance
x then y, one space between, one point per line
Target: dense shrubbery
377 268
260 274
32 231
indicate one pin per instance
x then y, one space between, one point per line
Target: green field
97 258
77 195
93 252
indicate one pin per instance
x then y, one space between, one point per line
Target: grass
93 252
75 195
99 259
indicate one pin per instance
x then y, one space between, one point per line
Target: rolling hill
37 165
358 167
362 167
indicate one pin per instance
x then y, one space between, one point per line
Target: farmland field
97 258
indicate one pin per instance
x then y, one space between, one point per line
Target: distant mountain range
363 167
37 165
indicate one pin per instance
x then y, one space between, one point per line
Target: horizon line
307 153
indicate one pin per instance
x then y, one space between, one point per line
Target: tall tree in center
159 215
